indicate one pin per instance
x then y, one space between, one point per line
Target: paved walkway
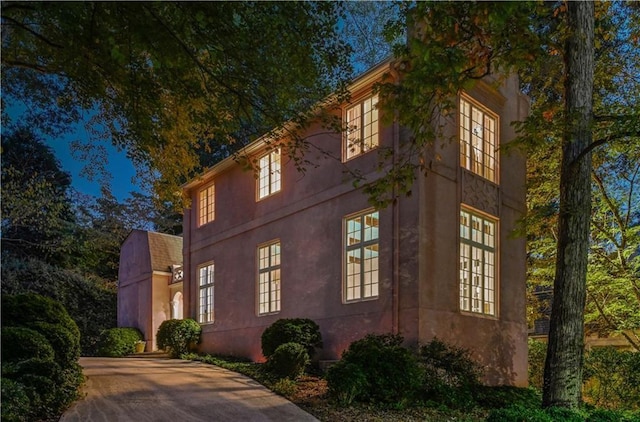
173 390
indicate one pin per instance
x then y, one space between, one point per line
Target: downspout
396 236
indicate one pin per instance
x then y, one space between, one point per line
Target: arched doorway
176 306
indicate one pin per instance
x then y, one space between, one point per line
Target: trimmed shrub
537 356
392 372
15 402
294 330
288 360
28 309
65 344
450 374
347 383
178 336
612 378
118 342
19 343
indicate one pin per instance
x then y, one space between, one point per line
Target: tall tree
451 45
37 216
166 79
563 367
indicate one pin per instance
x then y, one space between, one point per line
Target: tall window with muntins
205 295
269 278
361 256
478 140
362 127
206 203
269 180
477 263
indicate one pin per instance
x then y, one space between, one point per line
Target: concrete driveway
173 390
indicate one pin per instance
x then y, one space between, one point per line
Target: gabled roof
165 250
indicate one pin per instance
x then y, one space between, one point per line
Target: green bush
19 343
612 378
295 330
91 303
392 372
28 309
39 356
450 375
288 361
118 342
15 402
347 383
537 356
608 415
178 336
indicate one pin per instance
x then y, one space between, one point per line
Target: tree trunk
563 367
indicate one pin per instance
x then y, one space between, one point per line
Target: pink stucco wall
419 284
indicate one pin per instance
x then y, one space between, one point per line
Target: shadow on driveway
173 390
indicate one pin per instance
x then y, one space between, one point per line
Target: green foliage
90 303
231 86
505 396
608 415
289 360
19 343
14 401
518 414
178 336
347 382
612 378
537 355
284 386
392 372
294 330
449 374
39 356
27 309
37 220
118 342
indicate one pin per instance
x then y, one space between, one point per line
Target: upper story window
269 180
205 293
206 205
477 263
478 140
361 256
362 127
269 278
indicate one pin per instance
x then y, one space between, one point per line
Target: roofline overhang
366 78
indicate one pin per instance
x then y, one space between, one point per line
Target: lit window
362 127
361 256
269 278
270 175
478 140
206 202
205 296
477 263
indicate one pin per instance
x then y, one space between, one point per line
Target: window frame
489 166
470 247
273 185
360 246
274 305
209 204
208 316
365 146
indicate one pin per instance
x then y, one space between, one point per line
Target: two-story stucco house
442 262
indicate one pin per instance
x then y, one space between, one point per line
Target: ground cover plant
447 388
